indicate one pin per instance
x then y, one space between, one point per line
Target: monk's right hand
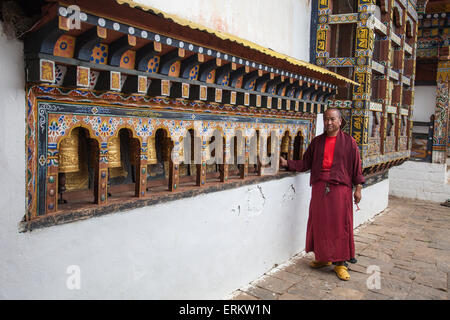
283 162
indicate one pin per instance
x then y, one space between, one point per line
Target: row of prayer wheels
69 151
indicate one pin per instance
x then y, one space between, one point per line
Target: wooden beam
43 40
235 75
272 84
206 68
248 78
222 72
144 55
261 81
85 43
187 65
281 87
117 49
167 60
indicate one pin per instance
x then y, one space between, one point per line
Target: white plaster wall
374 200
424 102
281 25
319 124
199 248
419 180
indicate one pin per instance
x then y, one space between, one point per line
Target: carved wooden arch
129 127
163 127
68 132
181 141
215 127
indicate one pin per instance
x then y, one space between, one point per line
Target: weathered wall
280 25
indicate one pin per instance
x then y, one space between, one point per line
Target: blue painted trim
313 30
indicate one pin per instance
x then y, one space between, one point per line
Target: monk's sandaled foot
342 273
319 264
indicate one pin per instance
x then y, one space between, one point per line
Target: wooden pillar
243 170
141 172
323 32
52 179
225 160
201 168
441 114
291 149
174 166
101 176
262 152
363 75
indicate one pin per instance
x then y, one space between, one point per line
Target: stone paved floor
407 245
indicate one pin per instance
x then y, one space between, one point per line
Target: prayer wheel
68 153
114 157
285 145
152 159
68 161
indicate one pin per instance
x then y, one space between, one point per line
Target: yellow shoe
319 264
342 273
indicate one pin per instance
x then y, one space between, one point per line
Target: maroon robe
330 223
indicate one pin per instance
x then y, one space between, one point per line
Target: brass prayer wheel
114 159
285 144
152 159
68 153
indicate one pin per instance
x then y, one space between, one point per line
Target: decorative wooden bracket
119 47
168 59
143 56
248 79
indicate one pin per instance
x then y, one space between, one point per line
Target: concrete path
403 253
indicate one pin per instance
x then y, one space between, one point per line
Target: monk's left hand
357 195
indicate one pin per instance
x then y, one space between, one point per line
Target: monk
335 164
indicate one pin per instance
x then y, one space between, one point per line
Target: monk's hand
357 195
283 162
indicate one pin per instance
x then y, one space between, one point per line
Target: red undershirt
328 153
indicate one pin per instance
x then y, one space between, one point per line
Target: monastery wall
283 28
420 180
199 248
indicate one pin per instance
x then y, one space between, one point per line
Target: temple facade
143 137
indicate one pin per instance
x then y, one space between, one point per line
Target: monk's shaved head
332 120
335 110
